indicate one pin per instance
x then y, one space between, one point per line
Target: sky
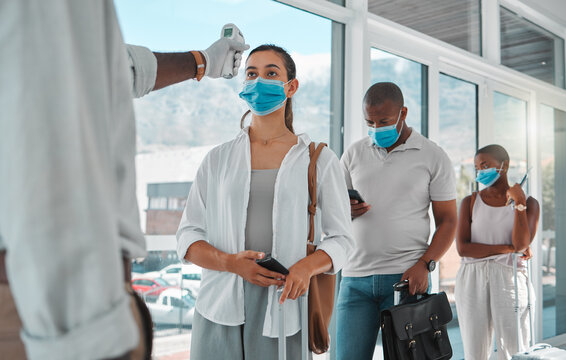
181 25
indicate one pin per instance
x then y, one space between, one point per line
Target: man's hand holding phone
358 206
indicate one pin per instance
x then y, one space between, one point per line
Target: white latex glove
217 53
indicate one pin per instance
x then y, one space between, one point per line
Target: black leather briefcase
417 331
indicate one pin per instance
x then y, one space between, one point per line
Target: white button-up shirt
216 212
68 206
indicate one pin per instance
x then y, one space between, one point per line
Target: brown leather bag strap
314 154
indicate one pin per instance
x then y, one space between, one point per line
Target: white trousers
485 302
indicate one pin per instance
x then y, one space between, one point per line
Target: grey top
259 223
492 225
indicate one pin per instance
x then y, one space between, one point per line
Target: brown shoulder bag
321 288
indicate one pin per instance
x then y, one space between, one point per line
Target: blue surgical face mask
385 136
264 96
488 177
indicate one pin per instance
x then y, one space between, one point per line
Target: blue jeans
360 301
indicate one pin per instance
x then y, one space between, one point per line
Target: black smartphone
271 264
355 195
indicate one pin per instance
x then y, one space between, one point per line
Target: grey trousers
212 341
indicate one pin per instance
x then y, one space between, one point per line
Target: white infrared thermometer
230 31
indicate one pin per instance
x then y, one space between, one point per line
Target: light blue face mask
488 177
264 96
385 136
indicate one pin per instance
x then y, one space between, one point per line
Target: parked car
191 279
137 275
172 306
191 275
147 287
172 273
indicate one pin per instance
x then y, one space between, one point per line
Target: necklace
264 142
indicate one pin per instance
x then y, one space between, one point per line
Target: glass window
553 158
161 282
158 203
191 276
510 126
411 77
189 300
155 261
177 203
178 125
455 22
208 112
177 302
530 49
458 137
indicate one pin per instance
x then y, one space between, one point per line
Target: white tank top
492 225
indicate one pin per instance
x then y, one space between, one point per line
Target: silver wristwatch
520 207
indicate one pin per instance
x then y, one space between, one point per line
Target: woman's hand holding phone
243 264
516 194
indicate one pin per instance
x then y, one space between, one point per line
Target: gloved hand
217 53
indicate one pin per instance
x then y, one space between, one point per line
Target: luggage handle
401 292
516 306
282 343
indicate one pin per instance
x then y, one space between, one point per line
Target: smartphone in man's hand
355 195
272 264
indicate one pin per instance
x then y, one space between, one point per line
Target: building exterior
166 202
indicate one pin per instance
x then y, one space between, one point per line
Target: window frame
480 30
558 74
489 76
364 30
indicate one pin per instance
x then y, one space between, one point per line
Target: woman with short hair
489 232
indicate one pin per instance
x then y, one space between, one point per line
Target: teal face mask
264 96
488 177
385 136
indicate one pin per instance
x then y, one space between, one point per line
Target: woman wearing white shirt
249 197
489 231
